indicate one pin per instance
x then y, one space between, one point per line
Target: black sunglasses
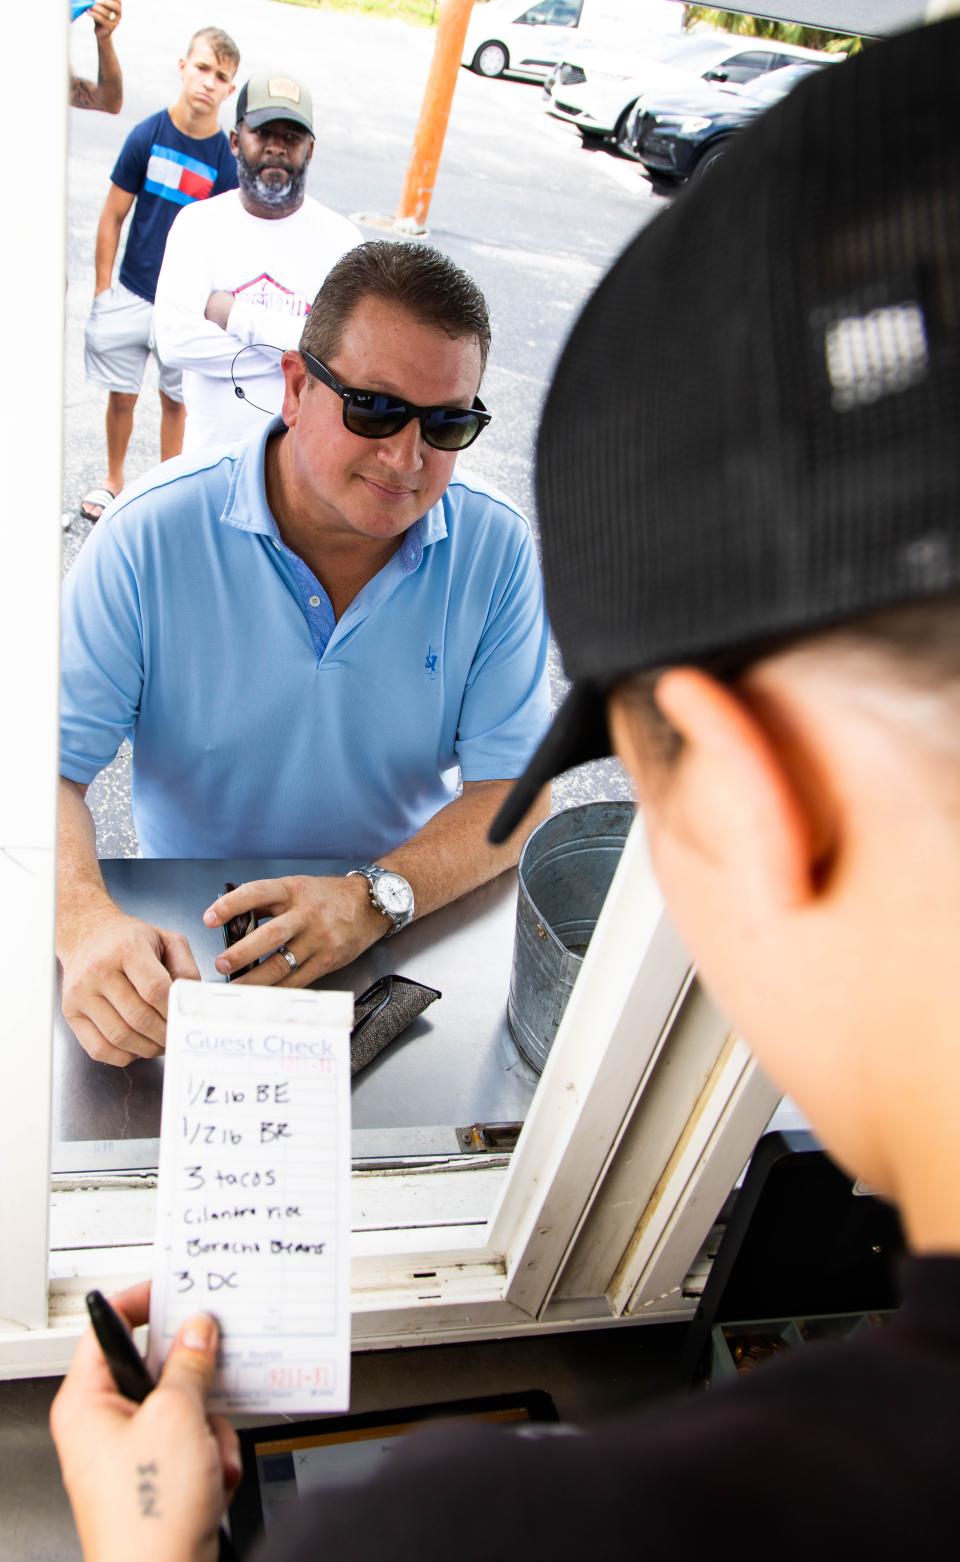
378 415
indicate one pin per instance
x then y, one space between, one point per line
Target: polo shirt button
314 601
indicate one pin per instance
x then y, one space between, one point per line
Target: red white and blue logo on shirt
176 177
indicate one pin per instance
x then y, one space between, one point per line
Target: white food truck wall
32 284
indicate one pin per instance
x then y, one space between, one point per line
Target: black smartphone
238 927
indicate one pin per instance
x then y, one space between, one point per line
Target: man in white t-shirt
235 286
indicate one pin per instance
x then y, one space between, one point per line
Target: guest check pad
253 1206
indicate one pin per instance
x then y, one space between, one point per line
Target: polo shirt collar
247 508
431 527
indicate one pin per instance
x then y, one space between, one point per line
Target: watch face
393 893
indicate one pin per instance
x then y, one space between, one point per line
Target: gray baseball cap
274 95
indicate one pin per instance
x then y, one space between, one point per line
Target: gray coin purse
382 1013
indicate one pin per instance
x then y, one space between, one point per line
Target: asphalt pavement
532 214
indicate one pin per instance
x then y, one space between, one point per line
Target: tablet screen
282 1464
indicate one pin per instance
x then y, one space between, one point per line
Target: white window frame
576 1228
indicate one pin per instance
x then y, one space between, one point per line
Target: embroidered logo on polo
431 662
176 177
265 289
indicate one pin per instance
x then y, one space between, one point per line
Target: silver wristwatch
390 893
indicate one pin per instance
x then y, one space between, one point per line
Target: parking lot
520 203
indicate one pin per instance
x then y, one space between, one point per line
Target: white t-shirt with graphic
274 267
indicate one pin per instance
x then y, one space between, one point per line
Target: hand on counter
149 1481
324 923
117 973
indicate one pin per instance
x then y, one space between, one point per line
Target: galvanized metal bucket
565 871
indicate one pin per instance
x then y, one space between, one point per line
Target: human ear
234 139
732 796
294 386
310 148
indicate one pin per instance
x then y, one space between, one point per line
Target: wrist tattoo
148 1492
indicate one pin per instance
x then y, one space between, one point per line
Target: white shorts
118 341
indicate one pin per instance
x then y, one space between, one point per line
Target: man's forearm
256 325
325 923
105 253
106 93
80 886
451 854
109 78
187 340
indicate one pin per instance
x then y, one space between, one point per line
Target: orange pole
434 114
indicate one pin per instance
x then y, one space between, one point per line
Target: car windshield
688 51
776 84
693 54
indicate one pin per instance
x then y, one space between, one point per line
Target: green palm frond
783 32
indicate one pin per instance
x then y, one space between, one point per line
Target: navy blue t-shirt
165 170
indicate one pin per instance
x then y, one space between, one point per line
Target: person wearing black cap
235 287
765 627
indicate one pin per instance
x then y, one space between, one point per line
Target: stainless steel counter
456 1065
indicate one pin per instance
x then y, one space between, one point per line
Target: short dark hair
915 645
220 42
411 275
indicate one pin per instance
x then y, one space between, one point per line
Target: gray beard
277 197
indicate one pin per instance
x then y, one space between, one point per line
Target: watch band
372 872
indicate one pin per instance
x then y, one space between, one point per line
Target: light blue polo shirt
262 728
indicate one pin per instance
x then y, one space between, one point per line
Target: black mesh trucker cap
754 428
274 95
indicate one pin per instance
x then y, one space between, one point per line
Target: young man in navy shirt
175 157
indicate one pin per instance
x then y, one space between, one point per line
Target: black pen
129 1373
124 1360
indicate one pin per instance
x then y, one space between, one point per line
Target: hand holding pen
149 1480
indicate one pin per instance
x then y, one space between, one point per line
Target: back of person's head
411 277
224 49
749 497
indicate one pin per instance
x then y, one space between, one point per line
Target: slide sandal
97 498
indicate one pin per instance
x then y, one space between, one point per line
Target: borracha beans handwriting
253 1206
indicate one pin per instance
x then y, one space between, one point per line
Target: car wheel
708 160
490 59
621 136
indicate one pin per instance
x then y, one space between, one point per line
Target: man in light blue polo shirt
312 639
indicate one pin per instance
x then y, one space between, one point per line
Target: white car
528 39
597 89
